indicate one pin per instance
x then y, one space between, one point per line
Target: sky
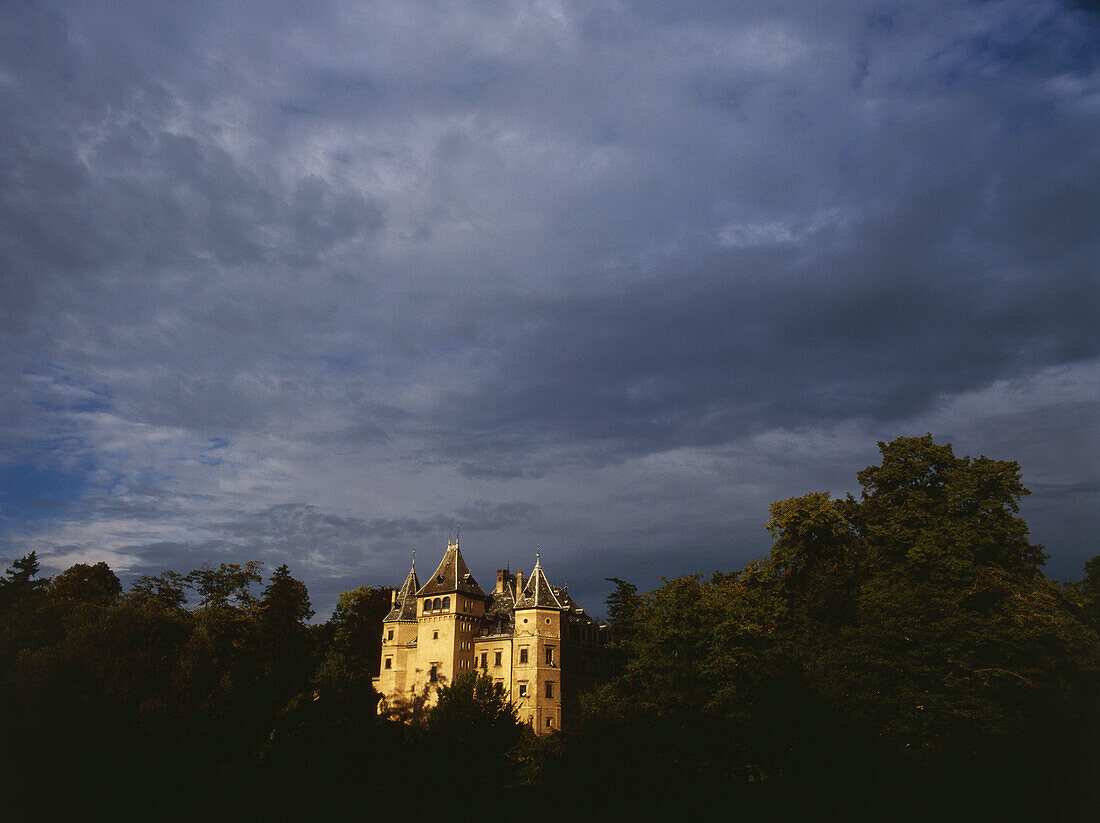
320 283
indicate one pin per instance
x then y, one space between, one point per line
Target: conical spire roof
452 576
537 593
404 607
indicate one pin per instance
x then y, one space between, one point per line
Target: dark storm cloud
322 287
708 359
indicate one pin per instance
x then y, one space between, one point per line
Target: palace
529 636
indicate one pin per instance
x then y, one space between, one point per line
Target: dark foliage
899 656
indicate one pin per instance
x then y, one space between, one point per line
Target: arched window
446 603
436 604
428 605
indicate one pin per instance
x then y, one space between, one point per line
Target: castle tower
399 639
449 608
536 649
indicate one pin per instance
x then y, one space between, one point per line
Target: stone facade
530 637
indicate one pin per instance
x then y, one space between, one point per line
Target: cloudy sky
314 283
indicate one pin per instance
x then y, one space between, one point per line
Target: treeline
896 656
128 702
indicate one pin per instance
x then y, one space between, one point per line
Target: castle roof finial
537 552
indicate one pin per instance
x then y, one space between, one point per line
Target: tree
84 584
711 661
228 585
22 572
355 628
473 715
20 580
1086 593
331 728
623 605
283 638
23 621
814 555
924 504
168 589
285 600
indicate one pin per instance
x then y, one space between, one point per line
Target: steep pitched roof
405 602
573 612
502 603
452 576
537 593
500 610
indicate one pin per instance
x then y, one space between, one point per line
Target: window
437 604
446 603
485 660
432 676
523 655
549 688
389 634
389 662
523 690
549 655
435 635
497 662
549 722
428 605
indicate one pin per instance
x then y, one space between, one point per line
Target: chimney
500 581
519 583
393 598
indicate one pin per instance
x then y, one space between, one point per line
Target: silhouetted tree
473 717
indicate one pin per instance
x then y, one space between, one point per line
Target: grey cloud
493 245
